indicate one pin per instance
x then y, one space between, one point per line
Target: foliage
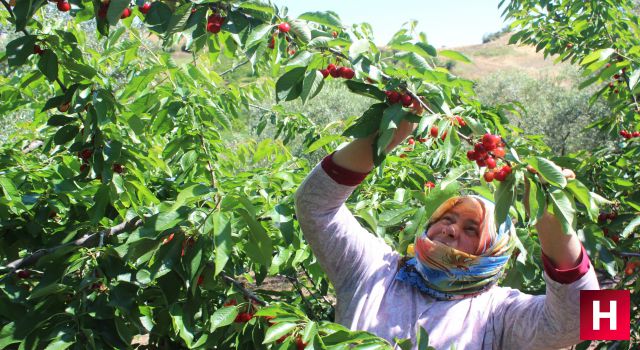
142 213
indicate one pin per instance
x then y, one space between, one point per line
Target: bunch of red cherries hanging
486 153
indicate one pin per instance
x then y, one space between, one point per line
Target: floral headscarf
446 273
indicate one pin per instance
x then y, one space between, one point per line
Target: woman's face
460 227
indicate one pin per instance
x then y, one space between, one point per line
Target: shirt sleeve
549 321
346 251
566 276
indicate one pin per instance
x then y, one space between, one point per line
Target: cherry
490 141
86 153
325 73
460 121
243 317
200 279
429 184
347 73
569 45
489 175
214 28
282 339
118 168
479 148
434 131
37 50
24 274
168 239
125 13
616 76
498 152
334 34
444 136
272 43
406 100
481 162
64 107
471 155
501 175
292 52
300 345
491 163
403 155
284 27
63 6
507 169
392 96
636 134
145 8
411 141
84 167
336 72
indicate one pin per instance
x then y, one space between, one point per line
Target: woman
449 288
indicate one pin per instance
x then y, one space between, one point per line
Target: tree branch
88 240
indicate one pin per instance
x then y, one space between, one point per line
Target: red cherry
336 72
125 13
325 73
429 184
334 34
213 27
300 345
331 67
501 175
84 167
403 155
145 8
216 18
272 43
393 97
64 6
506 169
489 175
444 136
498 152
460 121
471 155
490 141
406 100
168 239
117 168
479 148
37 50
411 141
284 27
481 162
612 216
200 279
347 73
491 163
434 131
86 153
635 134
24 274
616 76
603 217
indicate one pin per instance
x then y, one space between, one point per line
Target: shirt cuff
341 175
567 276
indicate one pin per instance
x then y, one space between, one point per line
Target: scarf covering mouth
446 273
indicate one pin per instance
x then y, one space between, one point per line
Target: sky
447 23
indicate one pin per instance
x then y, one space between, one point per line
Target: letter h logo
605 314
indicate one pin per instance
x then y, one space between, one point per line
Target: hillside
498 56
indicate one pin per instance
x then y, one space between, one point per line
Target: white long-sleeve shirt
362 268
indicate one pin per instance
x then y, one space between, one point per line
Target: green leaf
549 171
258 35
60 120
365 89
301 30
289 86
368 123
422 339
599 55
222 240
310 331
258 6
115 9
633 79
630 227
191 194
182 324
415 48
312 85
323 141
583 195
451 145
329 19
390 121
537 202
19 50
222 317
454 55
157 19
259 248
358 47
48 65
504 197
278 330
65 134
178 20
564 210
